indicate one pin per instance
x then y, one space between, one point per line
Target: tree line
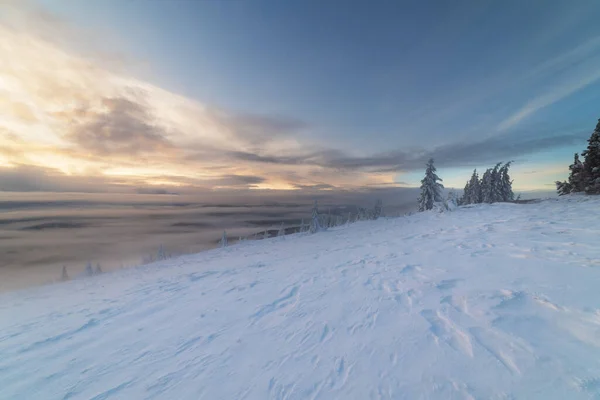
494 186
584 177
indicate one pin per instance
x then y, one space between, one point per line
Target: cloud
76 119
234 180
28 178
122 126
491 150
256 129
501 148
147 190
567 73
31 178
318 186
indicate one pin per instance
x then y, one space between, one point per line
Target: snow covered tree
563 187
89 271
64 276
98 269
506 192
475 196
224 239
577 175
486 187
472 191
302 226
496 184
591 164
361 214
464 200
281 231
377 209
315 225
161 254
266 234
451 201
349 221
431 189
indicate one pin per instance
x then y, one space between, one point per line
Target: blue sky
374 80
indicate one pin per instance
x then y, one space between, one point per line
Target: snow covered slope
499 301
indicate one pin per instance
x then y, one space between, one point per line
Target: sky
190 96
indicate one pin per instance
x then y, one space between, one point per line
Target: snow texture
496 301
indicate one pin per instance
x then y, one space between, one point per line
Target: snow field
491 301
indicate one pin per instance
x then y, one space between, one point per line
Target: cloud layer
73 123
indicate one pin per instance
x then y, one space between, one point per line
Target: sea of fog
42 232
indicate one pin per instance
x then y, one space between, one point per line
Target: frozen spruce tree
281 231
464 200
89 271
377 209
161 254
576 175
591 163
64 276
486 187
506 192
496 184
563 187
474 189
451 201
431 189
315 225
224 239
98 269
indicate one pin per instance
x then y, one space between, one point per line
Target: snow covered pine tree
315 226
577 175
591 163
472 192
281 231
576 181
64 276
486 187
475 196
224 239
506 192
584 177
431 189
89 271
377 209
496 184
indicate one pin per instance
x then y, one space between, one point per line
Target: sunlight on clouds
65 113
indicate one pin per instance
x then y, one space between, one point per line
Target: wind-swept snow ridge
490 301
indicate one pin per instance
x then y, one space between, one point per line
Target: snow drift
489 301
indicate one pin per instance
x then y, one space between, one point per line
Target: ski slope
487 302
